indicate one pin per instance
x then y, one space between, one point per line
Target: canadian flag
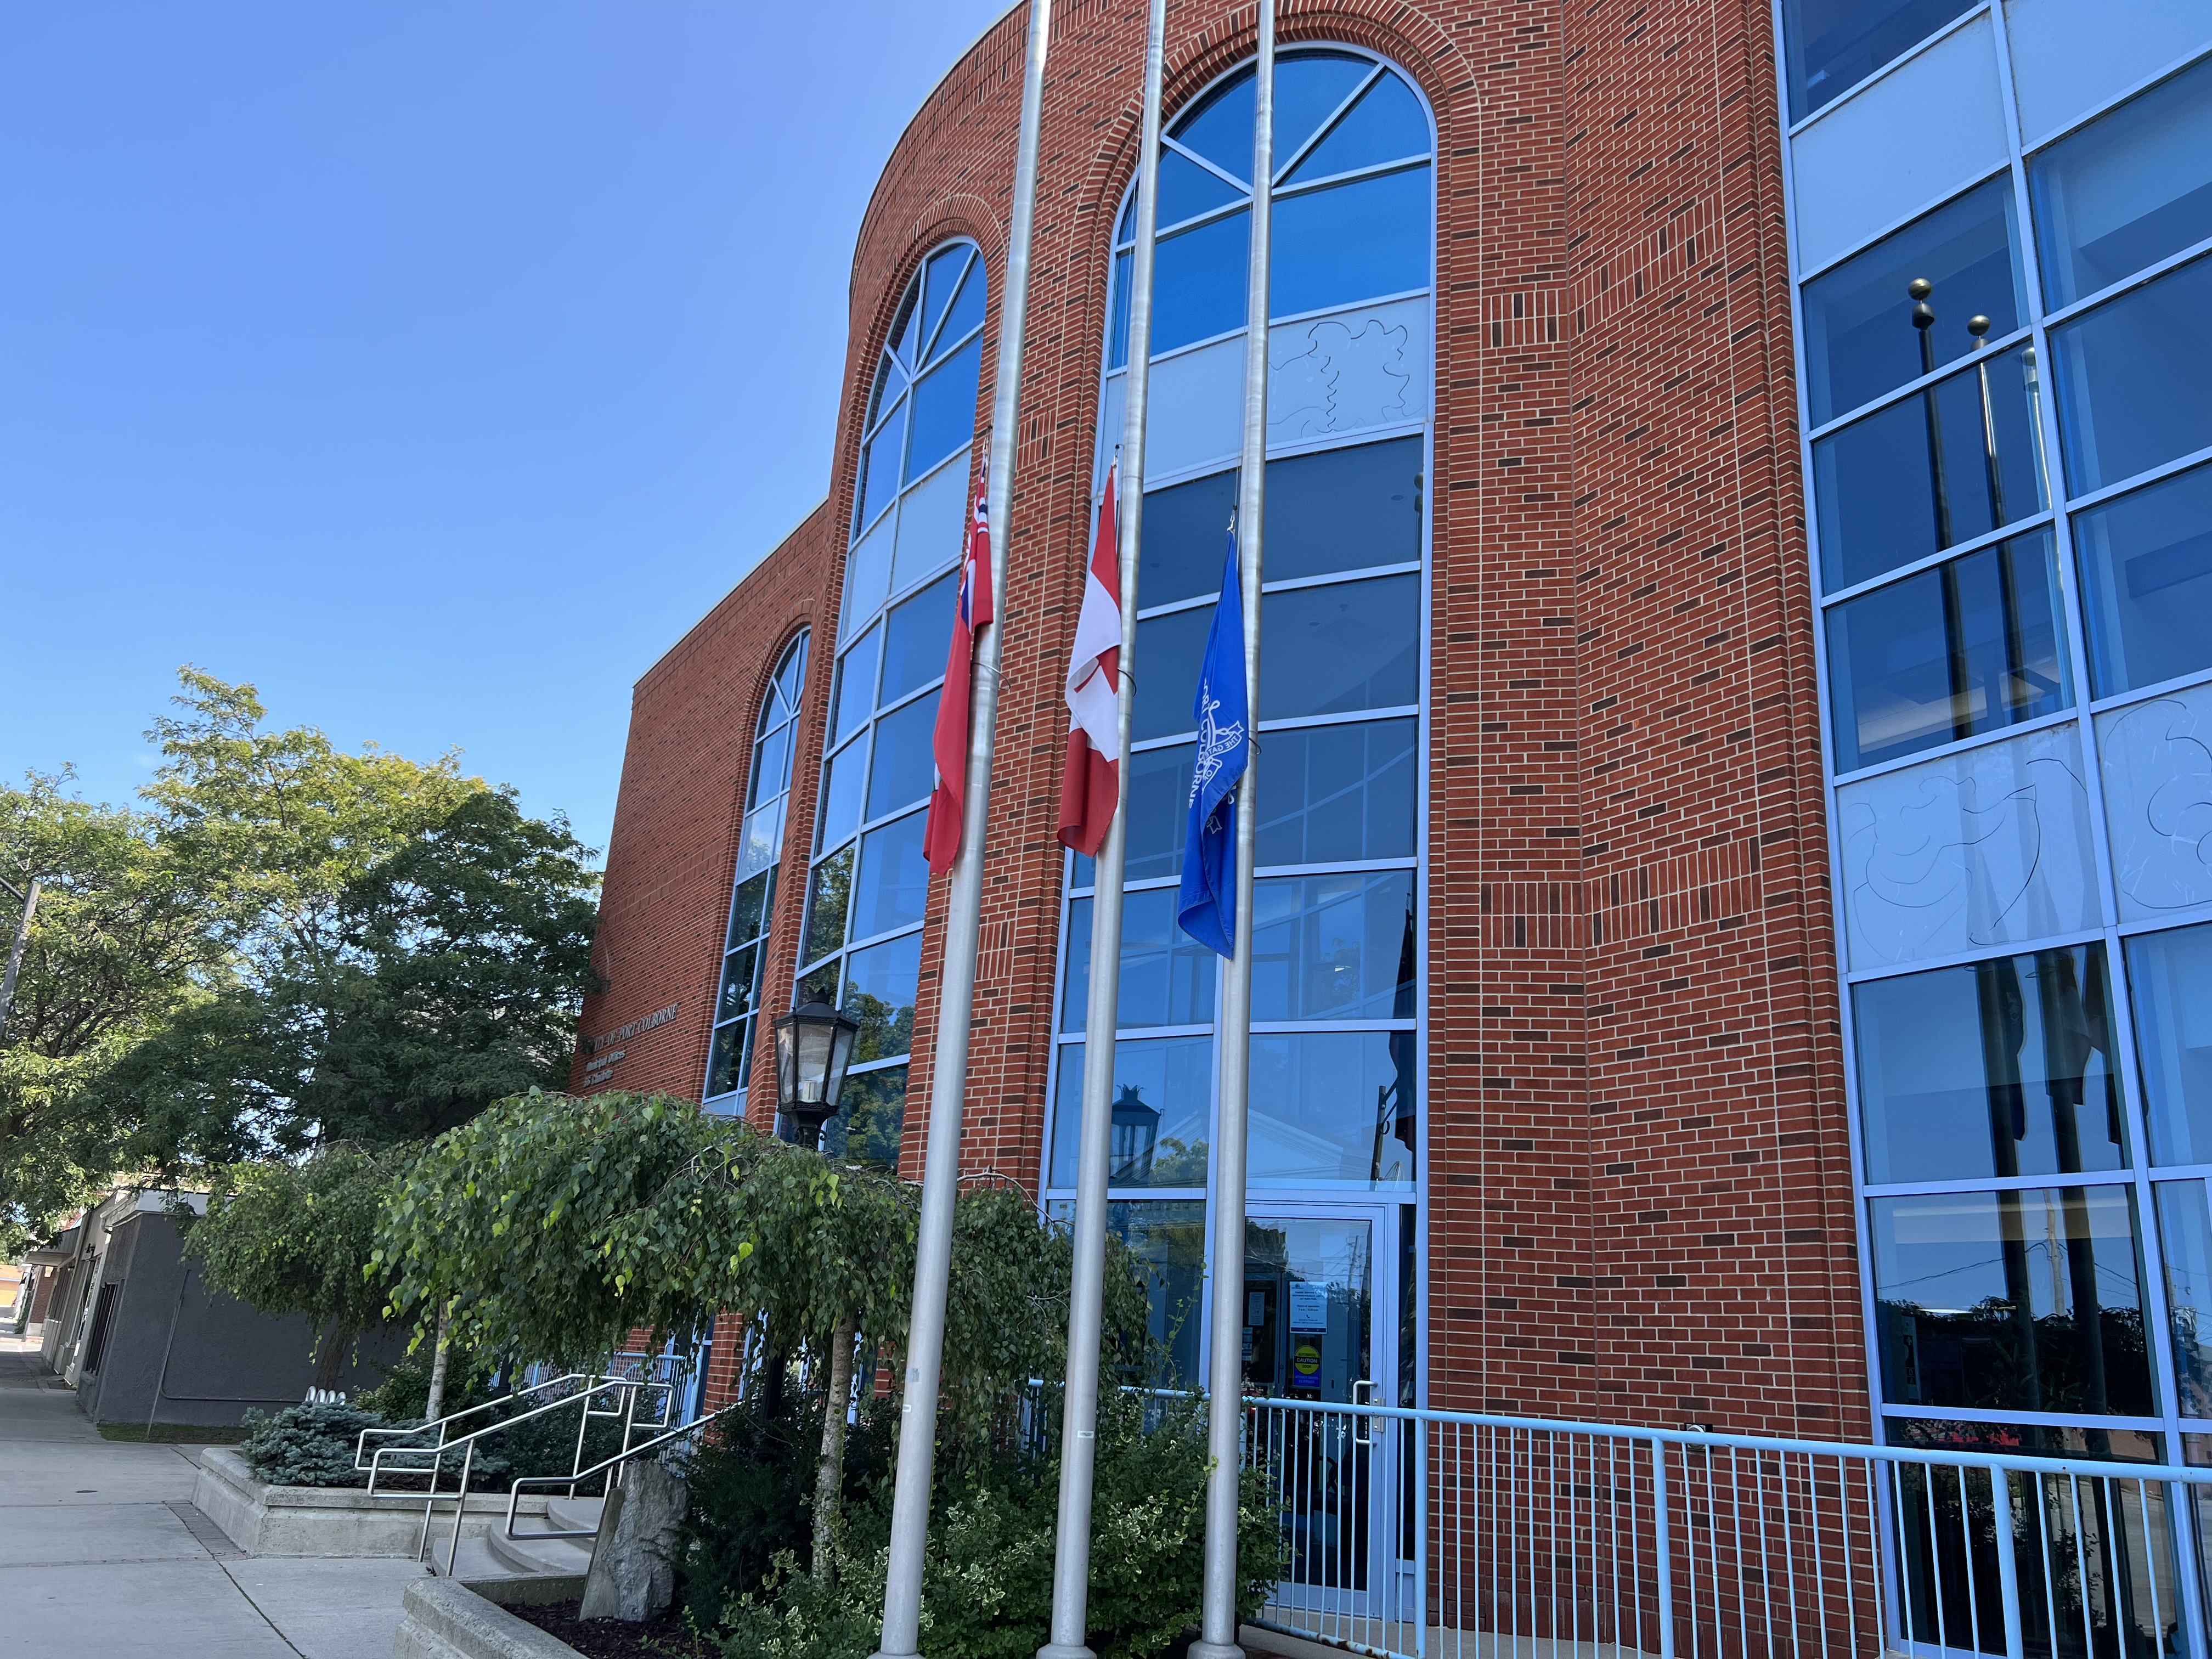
940 835
1090 782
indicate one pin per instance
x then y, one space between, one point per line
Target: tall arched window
1337 936
752 904
861 948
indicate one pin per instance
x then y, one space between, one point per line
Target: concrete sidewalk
101 1548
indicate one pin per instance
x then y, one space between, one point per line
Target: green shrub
308 1445
405 1391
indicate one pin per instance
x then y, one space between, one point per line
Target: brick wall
1639 1187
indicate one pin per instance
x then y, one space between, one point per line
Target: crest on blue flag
1208 906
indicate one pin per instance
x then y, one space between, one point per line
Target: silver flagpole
1079 1440
948 1082
1226 1366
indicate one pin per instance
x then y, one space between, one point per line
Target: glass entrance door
1313 1284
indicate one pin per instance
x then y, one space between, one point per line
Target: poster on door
1309 1306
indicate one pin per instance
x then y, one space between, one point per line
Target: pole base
1064 1651
1216 1651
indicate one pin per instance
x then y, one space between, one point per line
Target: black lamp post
814 1047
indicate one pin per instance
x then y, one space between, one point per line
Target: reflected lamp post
813 1048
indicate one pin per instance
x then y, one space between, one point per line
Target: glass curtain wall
2009 444
1337 920
752 903
867 881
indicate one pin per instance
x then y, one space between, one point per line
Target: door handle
1362 1428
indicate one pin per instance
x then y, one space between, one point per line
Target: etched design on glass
2157 762
1989 847
1341 373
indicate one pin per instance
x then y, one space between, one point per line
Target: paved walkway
102 1550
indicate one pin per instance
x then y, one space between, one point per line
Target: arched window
861 948
752 905
1337 935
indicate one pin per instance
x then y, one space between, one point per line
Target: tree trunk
829 1479
433 1408
331 1359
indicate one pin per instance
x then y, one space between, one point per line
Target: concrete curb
449 1620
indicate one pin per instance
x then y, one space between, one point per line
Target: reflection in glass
1309 1292
1155 815
1198 280
2127 191
856 687
726 1058
879 469
945 408
905 765
880 989
1336 509
1333 1108
966 311
893 887
2186 1241
1186 531
1187 189
944 268
1333 947
1309 87
1168 1238
1953 463
1117 347
1167 977
917 637
2146 563
1220 127
1387 124
1995 1068
1337 795
828 891
1338 649
2131 378
1170 647
1972 644
1859 337
842 790
1163 1104
2156 758
749 909
1350 242
1831 46
736 999
868 574
870 1118
2170 981
771 766
2018 1301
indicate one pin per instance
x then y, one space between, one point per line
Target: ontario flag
1090 782
941 836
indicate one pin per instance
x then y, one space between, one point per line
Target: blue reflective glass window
829 893
2187 1247
2170 980
738 975
966 311
2126 191
1198 282
1334 1109
856 686
910 331
1117 347
771 767
870 1118
1350 242
1338 509
2013 1300
904 765
844 786
1157 813
1339 648
1187 189
1337 795
1996 1068
917 634
1171 649
726 1058
1859 337
1162 1103
1387 124
1186 534
2132 378
892 888
879 468
944 268
750 908
1972 644
1220 127
1167 977
1309 87
2146 565
945 408
1334 947
1829 47
890 380
879 990
1953 462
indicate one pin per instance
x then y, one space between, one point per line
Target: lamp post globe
813 1048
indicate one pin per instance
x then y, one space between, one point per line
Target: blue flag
1207 907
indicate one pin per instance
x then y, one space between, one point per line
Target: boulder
631 1577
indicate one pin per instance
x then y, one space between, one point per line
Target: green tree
297 1238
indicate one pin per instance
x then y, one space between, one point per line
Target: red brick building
1545 669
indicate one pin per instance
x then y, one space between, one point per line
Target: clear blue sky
431 365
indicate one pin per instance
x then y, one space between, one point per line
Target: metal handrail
628 1455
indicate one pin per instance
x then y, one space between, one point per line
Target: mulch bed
665 1638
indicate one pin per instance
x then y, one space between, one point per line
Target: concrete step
494 1579
539 1557
574 1514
